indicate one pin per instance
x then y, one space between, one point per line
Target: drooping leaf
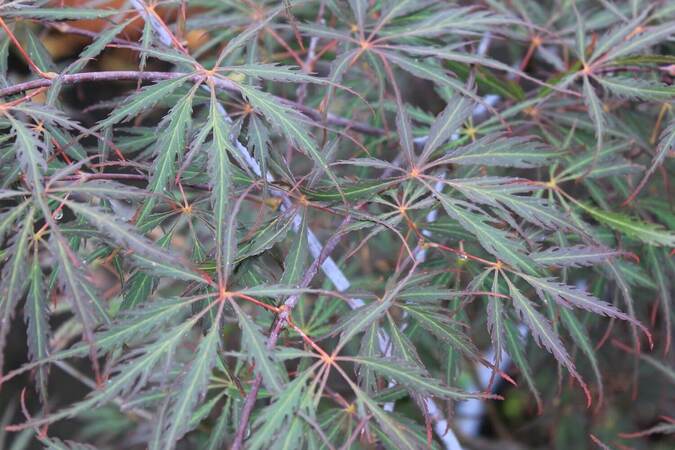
448 121
290 123
36 314
649 233
543 334
637 89
147 98
125 235
413 377
273 418
576 256
500 151
254 342
14 279
191 390
296 259
170 145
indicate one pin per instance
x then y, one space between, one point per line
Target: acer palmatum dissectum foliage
160 239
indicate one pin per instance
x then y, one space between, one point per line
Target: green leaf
664 285
275 417
14 279
357 320
296 259
290 122
486 82
401 435
451 21
666 144
516 350
141 101
36 314
254 344
134 325
580 336
275 231
33 45
632 88
492 239
648 233
596 111
168 269
434 321
274 72
413 377
404 128
457 110
650 36
350 190
192 389
8 219
577 256
259 140
28 153
170 146
82 297
137 289
500 152
543 334
220 180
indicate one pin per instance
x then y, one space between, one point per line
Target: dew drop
58 215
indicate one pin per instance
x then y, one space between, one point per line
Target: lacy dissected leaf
448 121
147 252
452 20
665 145
664 284
595 111
637 89
357 320
191 389
274 72
15 277
254 342
500 151
494 240
146 99
275 417
413 377
290 123
542 332
220 180
502 193
576 256
29 154
296 259
649 233
170 145
275 231
580 335
36 314
401 436
435 322
516 350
